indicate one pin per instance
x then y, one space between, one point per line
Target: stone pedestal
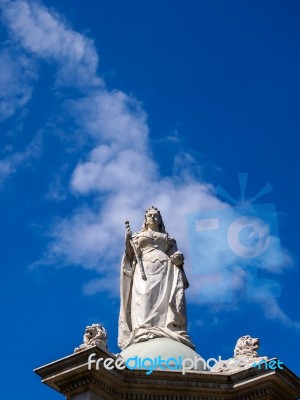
164 348
71 377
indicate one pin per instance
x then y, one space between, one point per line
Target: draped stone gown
154 307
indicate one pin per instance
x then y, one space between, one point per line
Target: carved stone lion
246 346
94 335
245 354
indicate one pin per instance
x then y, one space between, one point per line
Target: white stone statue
153 283
245 354
94 335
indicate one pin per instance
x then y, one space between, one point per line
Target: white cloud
12 162
44 34
274 312
107 285
119 173
17 76
57 191
108 170
113 118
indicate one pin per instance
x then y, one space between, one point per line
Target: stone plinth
164 347
71 377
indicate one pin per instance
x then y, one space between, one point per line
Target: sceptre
135 253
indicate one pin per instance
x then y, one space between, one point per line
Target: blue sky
109 107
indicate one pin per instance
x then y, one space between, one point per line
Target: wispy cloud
18 74
44 34
118 174
274 312
12 162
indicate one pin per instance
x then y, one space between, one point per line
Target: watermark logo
177 364
236 243
269 364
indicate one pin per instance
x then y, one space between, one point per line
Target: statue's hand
128 234
177 259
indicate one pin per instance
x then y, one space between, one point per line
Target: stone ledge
71 377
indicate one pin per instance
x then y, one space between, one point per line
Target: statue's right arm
128 248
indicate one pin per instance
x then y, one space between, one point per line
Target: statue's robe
154 307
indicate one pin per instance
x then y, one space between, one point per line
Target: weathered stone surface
164 348
94 335
245 354
153 285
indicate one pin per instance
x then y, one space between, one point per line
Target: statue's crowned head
155 211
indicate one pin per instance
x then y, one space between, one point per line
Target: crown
152 208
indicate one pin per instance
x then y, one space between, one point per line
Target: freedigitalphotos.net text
177 364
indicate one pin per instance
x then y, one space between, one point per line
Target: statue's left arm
176 256
177 259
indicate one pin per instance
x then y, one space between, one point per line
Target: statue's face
153 219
